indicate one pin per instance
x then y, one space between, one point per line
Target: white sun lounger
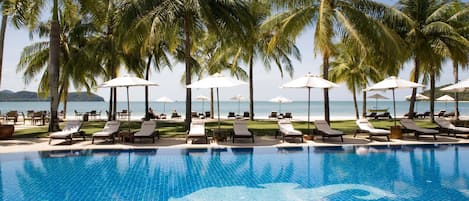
197 130
110 130
147 130
240 130
364 126
287 130
446 125
71 128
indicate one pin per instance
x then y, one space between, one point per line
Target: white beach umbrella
216 80
127 81
164 100
280 100
376 97
393 83
238 98
310 81
458 87
446 99
418 97
203 99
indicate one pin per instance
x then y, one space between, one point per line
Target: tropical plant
191 16
360 22
431 38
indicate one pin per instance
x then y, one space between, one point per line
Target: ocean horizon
261 108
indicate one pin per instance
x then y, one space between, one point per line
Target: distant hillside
7 95
438 93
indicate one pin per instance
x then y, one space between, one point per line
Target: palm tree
431 38
191 16
360 22
256 45
349 67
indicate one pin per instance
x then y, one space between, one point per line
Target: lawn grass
176 129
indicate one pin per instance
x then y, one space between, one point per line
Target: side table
126 135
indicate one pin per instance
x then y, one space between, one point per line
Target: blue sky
266 83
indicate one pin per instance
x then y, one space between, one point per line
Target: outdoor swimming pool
436 172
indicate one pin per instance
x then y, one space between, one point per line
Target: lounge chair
409 125
414 114
287 115
424 115
451 114
207 115
246 115
175 115
273 115
12 116
287 130
197 130
194 115
71 128
240 130
323 128
147 130
364 126
371 115
446 126
441 113
110 130
385 115
231 115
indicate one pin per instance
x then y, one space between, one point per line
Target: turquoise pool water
307 173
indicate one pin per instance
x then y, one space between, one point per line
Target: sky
266 82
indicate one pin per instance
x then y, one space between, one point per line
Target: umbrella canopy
310 81
280 100
376 97
445 98
216 80
203 99
419 97
238 98
127 81
458 87
164 100
393 83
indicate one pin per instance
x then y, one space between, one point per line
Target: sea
338 109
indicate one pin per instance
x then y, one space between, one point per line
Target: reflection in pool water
306 173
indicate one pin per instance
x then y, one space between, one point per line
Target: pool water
436 172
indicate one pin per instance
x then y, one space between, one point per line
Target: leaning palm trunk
364 103
2 42
432 95
355 105
187 58
414 90
147 77
211 104
326 91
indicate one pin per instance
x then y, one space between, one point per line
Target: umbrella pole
218 108
394 106
309 103
128 109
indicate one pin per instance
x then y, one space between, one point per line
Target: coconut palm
431 38
360 22
191 16
256 46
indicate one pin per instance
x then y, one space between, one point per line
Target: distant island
9 96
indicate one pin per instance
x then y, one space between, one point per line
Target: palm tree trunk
54 56
355 104
147 77
65 100
109 114
187 58
251 87
325 75
456 95
211 104
2 42
364 102
414 90
432 95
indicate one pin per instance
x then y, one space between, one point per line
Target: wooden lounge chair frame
240 130
364 126
106 132
323 128
231 115
410 126
151 133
